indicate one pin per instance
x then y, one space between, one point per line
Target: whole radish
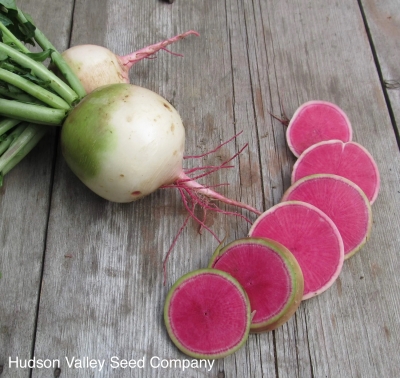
96 66
124 142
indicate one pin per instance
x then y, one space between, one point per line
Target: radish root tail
195 195
129 60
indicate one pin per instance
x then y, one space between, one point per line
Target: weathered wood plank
349 330
24 206
383 20
102 293
106 300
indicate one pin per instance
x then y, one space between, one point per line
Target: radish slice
316 121
207 314
350 160
311 236
269 274
342 200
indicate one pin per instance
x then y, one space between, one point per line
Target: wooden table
82 277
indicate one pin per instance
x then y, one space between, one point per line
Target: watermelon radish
312 238
342 200
269 274
316 121
350 160
207 314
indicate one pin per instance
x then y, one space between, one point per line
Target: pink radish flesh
269 274
316 121
312 238
342 200
207 314
349 160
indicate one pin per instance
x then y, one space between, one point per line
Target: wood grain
383 21
102 291
341 333
24 207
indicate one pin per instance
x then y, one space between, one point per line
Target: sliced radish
316 121
312 238
342 200
207 314
269 274
350 160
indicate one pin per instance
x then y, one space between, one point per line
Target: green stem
31 132
14 39
32 113
11 137
11 67
38 132
33 89
19 96
57 59
8 124
41 72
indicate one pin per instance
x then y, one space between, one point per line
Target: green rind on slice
295 273
295 225
167 320
215 255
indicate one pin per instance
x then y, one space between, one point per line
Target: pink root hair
284 120
129 60
215 149
194 194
